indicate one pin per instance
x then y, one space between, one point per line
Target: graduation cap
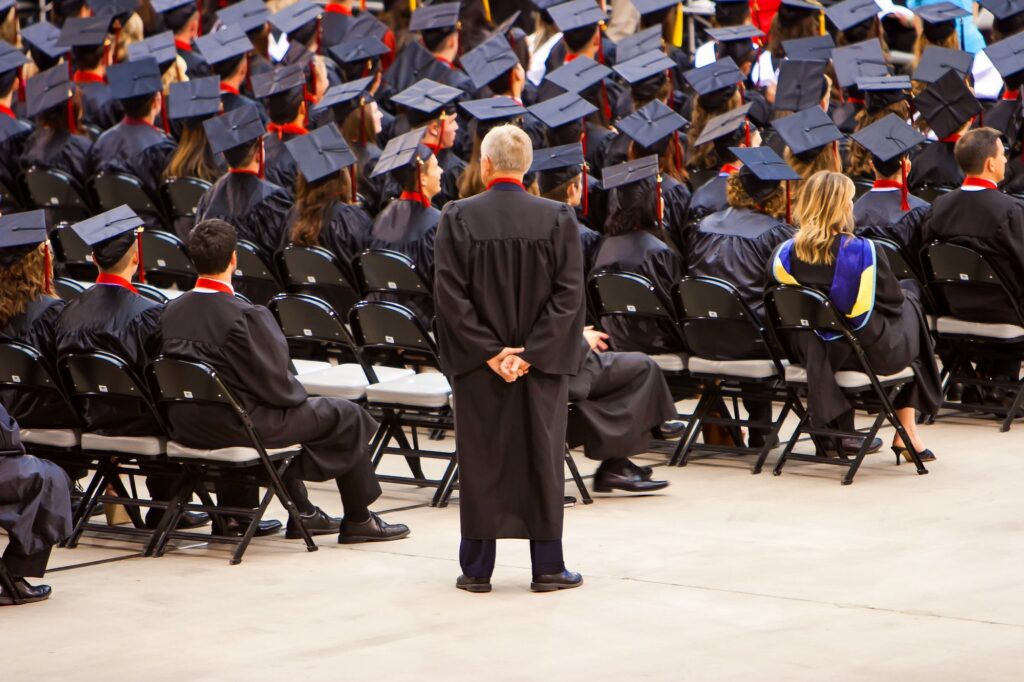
652 124
84 31
402 151
728 34
939 19
881 91
294 17
714 82
762 171
110 235
813 48
644 66
160 47
494 109
297 53
887 140
220 46
849 13
234 128
134 79
278 81
566 108
165 6
248 15
364 25
858 60
198 98
807 131
579 74
176 13
4 6
413 63
504 27
20 235
428 99
43 36
346 96
947 104
361 49
638 43
630 172
489 60
1002 9
555 166
321 153
801 84
46 90
804 5
115 9
646 7
936 61
442 16
11 58
727 125
576 14
1007 55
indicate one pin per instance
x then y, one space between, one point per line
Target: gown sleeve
888 294
264 349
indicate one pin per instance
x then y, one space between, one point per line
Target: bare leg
908 418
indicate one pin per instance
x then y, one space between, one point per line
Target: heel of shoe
901 453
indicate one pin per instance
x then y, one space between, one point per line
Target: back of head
976 147
633 208
508 149
211 243
823 210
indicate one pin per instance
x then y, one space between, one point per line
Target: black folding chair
906 267
117 189
7 583
56 191
701 177
932 192
315 271
68 289
166 262
182 195
711 310
861 186
791 311
384 271
254 276
184 381
74 254
958 277
14 194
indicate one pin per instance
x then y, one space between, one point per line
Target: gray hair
508 148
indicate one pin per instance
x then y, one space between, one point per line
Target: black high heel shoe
926 455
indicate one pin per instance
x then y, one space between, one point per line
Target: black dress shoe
629 481
187 520
851 445
238 528
373 530
464 582
566 580
669 430
26 593
317 523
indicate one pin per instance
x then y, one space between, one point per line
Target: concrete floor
725 576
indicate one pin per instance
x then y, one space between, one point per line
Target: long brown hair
737 197
22 283
859 161
671 162
470 182
807 26
823 210
704 156
357 128
313 200
825 160
192 158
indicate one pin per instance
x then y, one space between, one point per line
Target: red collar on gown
115 280
227 87
7 111
414 196
509 181
182 45
242 171
286 129
215 284
971 181
335 8
887 184
88 77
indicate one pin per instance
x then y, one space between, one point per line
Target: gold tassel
677 29
487 11
412 5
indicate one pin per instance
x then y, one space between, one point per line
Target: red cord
142 267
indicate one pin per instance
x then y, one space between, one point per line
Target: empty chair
393 276
315 270
254 276
166 262
116 189
56 191
181 196
74 255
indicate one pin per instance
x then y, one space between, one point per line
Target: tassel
412 6
163 118
362 5
362 122
661 208
600 43
354 181
199 8
487 11
746 133
583 137
678 152
677 28
586 192
262 169
319 38
904 204
789 219
21 86
72 124
47 269
305 108
142 266
419 178
606 107
821 23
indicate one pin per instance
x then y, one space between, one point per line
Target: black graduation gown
509 273
370 189
452 167
1004 117
675 197
895 336
344 231
281 168
935 165
642 253
35 505
60 150
13 134
589 242
195 65
991 223
597 205
244 344
707 199
99 109
258 209
116 320
617 399
232 101
878 214
408 227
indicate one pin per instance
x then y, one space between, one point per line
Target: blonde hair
508 148
823 209
704 156
825 160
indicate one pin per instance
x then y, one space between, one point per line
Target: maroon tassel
163 118
262 169
605 105
362 123
746 133
661 208
586 192
904 204
679 151
354 181
319 37
47 273
199 9
142 267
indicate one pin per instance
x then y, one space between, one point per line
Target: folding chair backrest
626 293
315 270
897 261
182 195
931 192
959 276
23 367
68 289
115 189
711 310
74 253
380 270
794 310
307 317
101 376
174 380
164 256
54 189
254 276
151 292
385 326
701 177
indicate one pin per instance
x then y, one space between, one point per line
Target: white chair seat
670 362
236 455
418 390
145 446
54 438
990 330
848 379
310 366
347 381
747 369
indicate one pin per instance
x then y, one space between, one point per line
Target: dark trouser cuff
21 565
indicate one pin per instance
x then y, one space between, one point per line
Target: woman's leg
908 419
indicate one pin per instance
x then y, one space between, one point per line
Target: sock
297 489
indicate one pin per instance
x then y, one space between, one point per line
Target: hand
495 363
595 339
514 366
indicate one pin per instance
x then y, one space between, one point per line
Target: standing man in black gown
509 294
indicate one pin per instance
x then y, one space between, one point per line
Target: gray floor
725 576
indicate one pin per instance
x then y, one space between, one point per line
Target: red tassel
661 208
600 43
72 124
305 104
586 192
142 266
319 38
262 168
199 8
362 5
583 136
746 133
354 181
605 104
47 274
21 86
163 118
904 204
789 218
678 150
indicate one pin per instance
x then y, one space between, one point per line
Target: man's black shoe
372 530
669 430
187 520
464 582
851 445
566 580
238 528
317 523
629 481
27 593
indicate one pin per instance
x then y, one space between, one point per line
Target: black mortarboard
849 13
20 235
160 47
545 4
947 104
247 15
113 8
499 108
813 48
1003 9
413 63
881 91
1007 55
364 25
504 27
765 164
576 14
801 84
43 36
441 16
651 124
84 31
639 43
134 79
233 128
578 75
295 16
197 98
888 138
729 123
321 153
858 60
47 90
278 80
645 7
807 131
488 60
644 66
728 34
940 12
358 50
228 43
630 172
566 108
4 6
427 97
936 61
402 151
297 53
346 95
806 5
110 234
11 58
720 75
164 6
557 165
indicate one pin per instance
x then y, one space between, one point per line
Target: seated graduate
438 26
581 23
949 107
486 114
172 70
181 17
884 96
226 52
56 143
634 242
1004 115
731 129
40 40
243 343
731 14
13 132
283 93
560 176
886 317
35 511
89 39
249 16
812 144
135 146
802 84
717 91
850 63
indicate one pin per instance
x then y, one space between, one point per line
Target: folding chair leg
447 487
571 463
890 412
173 514
777 471
277 487
254 522
681 456
173 510
97 485
133 512
87 502
865 445
1015 408
771 437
